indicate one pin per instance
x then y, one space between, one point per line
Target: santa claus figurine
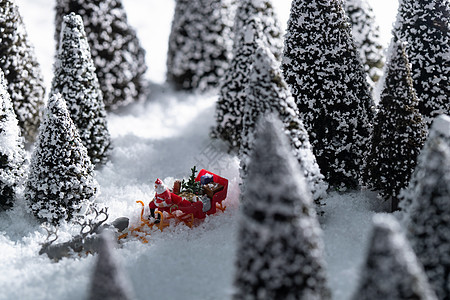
164 199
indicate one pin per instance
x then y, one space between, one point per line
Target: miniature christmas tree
12 153
232 96
424 25
322 67
118 56
22 71
191 186
271 28
428 219
392 270
367 37
77 82
61 180
440 131
199 43
108 280
399 130
279 250
267 92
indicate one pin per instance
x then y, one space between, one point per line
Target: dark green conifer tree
367 37
392 270
271 27
118 56
323 69
428 219
76 81
267 92
22 71
232 96
399 130
280 249
61 183
200 43
425 26
12 153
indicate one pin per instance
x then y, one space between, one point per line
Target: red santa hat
158 181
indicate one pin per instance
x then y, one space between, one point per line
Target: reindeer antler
95 223
50 232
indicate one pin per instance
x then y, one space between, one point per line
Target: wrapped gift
207 178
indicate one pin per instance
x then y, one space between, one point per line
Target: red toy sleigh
215 190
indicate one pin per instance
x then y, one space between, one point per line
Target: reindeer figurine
84 243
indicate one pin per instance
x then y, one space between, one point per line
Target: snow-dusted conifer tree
279 250
399 130
367 37
391 270
424 25
428 220
118 56
200 43
271 27
267 92
108 279
12 153
61 180
232 96
440 131
76 81
22 71
324 71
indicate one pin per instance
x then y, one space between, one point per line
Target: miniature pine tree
424 25
232 96
279 250
267 92
76 81
199 43
61 180
108 280
391 270
440 130
428 219
399 130
12 152
22 71
323 69
367 37
118 56
270 25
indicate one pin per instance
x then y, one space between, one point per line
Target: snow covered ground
164 137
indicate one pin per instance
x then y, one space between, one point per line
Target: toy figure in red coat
164 199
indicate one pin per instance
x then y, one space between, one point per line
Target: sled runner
180 210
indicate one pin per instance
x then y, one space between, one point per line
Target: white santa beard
160 188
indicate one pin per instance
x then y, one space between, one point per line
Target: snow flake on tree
118 56
391 270
61 182
323 69
367 37
22 71
200 43
271 27
12 153
76 81
424 25
428 219
439 132
267 92
108 279
232 95
399 129
279 249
